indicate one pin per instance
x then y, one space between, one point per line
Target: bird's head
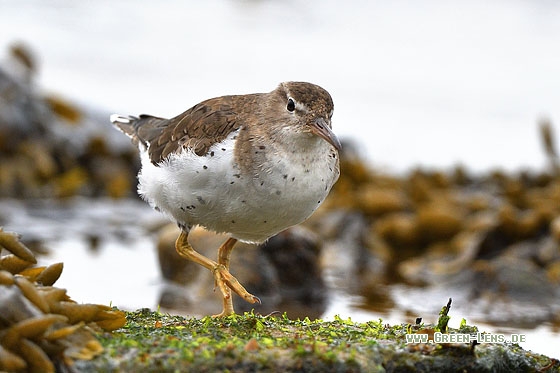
306 108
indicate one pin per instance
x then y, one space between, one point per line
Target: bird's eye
291 105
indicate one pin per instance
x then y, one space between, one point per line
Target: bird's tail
125 124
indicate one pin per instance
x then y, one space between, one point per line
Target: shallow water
108 250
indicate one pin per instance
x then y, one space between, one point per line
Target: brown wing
197 129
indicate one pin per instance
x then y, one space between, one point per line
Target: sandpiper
246 165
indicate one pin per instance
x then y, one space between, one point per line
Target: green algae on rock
156 342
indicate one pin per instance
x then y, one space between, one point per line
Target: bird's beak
320 128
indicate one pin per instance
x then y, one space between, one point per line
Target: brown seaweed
41 327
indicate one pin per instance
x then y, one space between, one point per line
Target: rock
249 343
511 291
294 275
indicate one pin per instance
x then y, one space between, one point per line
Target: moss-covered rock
155 342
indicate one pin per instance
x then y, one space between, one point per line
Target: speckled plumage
247 165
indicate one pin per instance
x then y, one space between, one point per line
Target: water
106 246
429 83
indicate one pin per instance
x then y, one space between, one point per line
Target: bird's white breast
211 190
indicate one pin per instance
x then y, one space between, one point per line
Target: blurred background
433 84
450 184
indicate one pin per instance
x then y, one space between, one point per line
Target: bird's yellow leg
224 253
224 280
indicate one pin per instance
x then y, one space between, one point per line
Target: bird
247 165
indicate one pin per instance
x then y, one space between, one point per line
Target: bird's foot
224 313
226 281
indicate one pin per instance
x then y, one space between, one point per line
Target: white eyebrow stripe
300 106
